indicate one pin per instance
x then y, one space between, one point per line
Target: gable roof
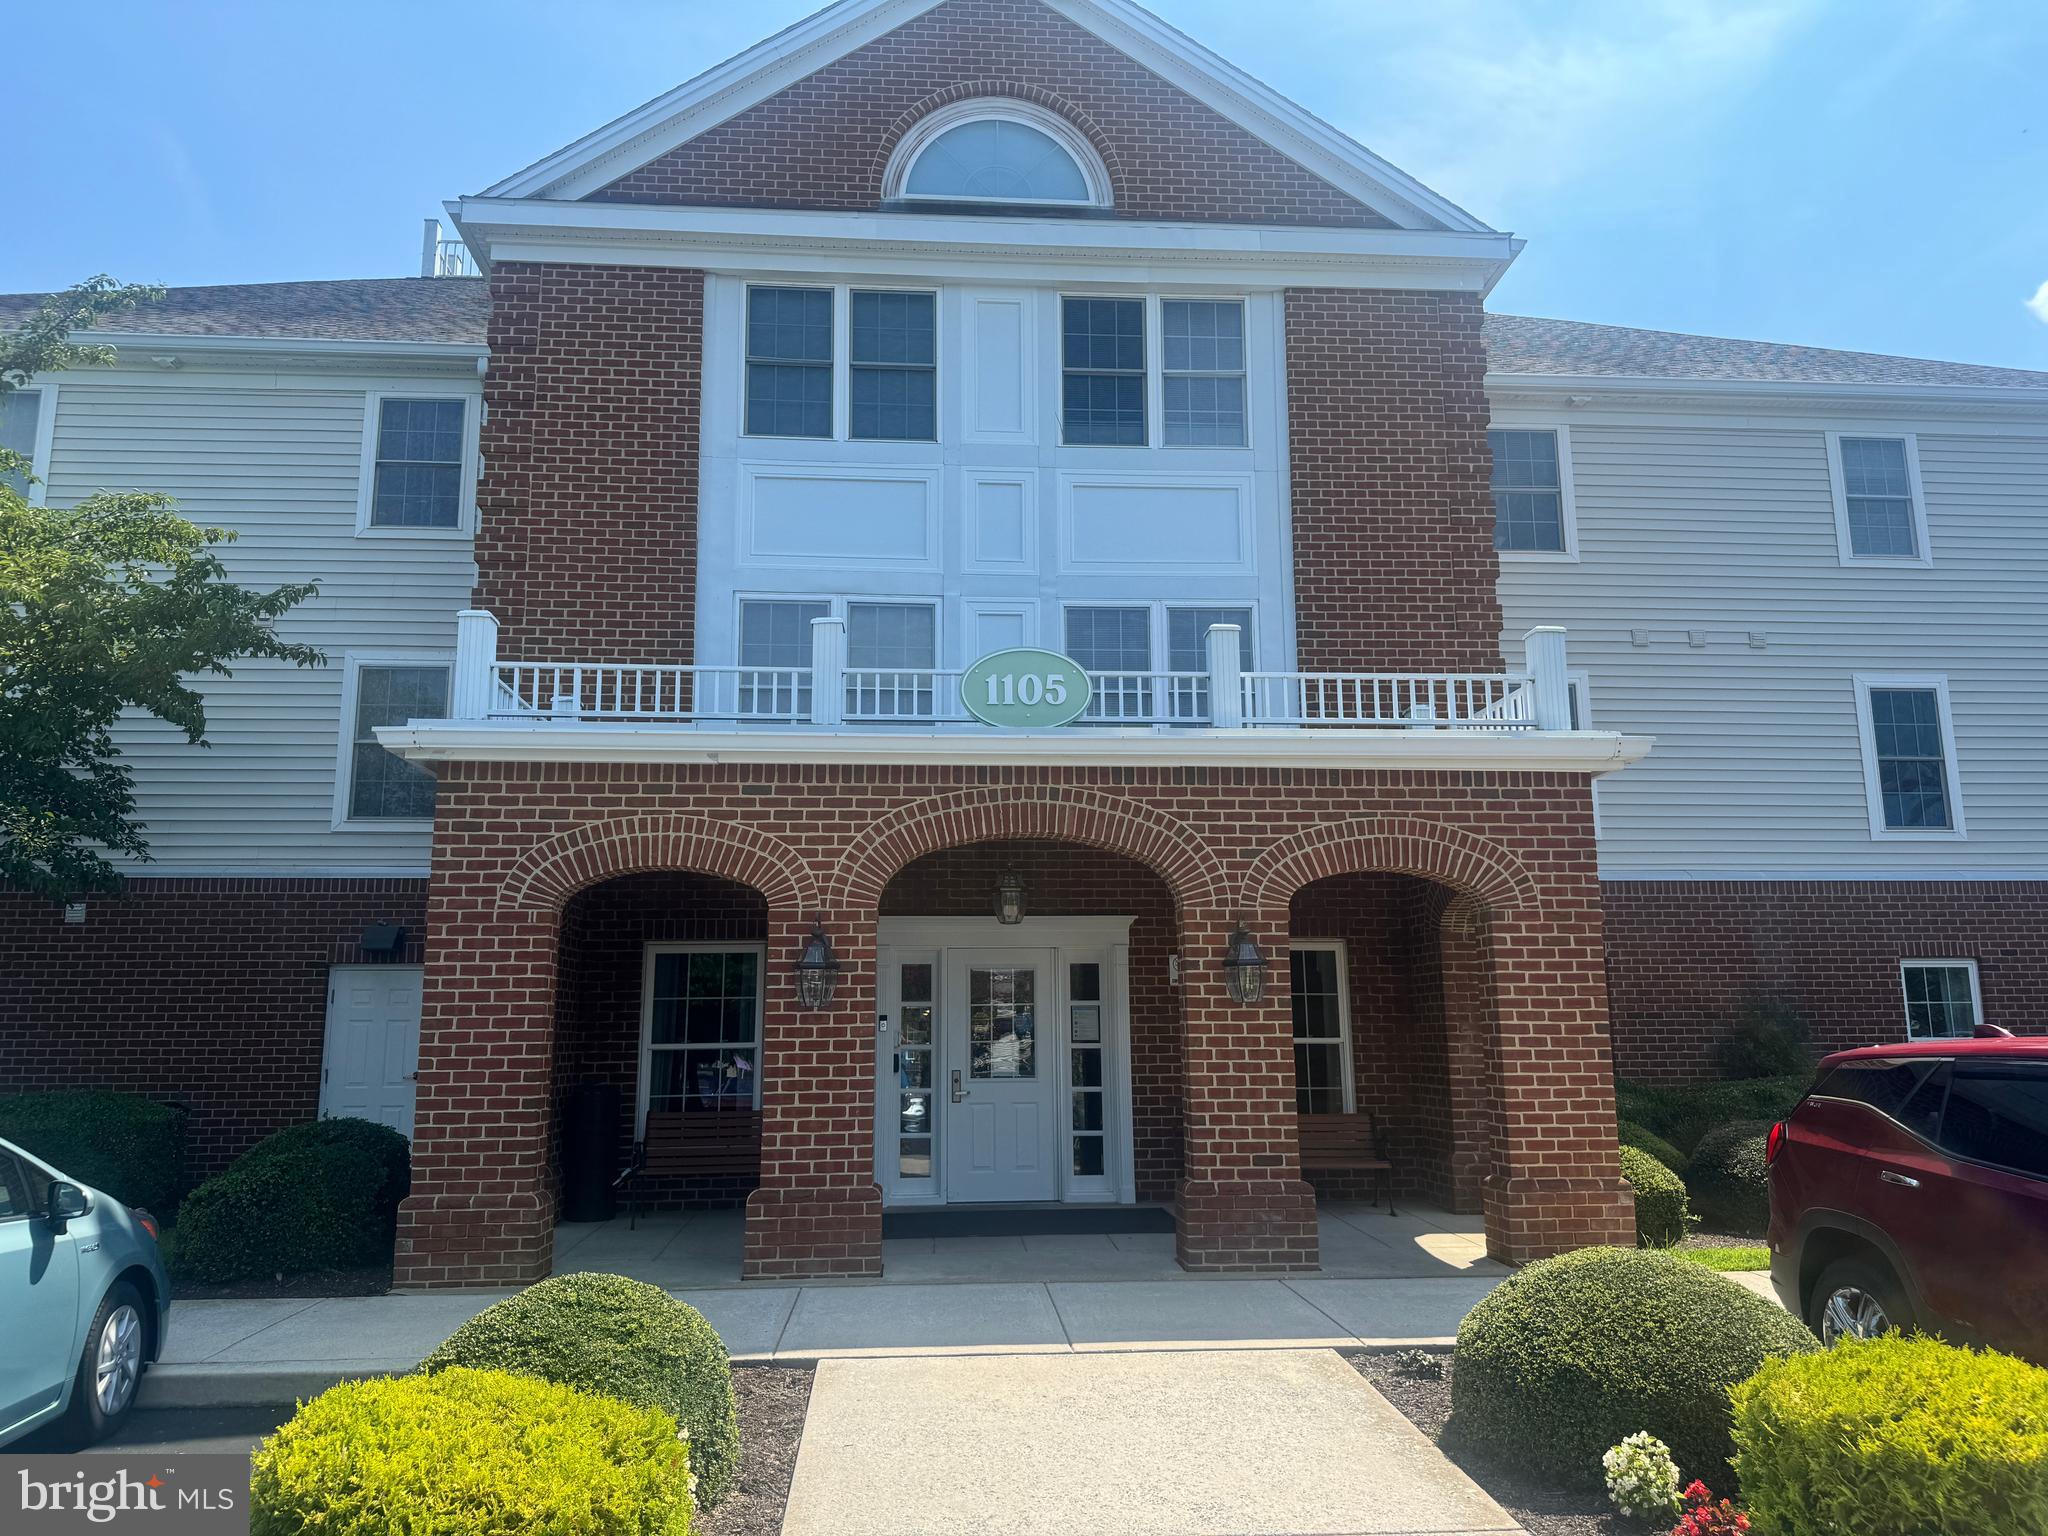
443 309
749 78
1521 344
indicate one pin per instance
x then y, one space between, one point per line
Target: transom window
1102 383
1528 492
703 1033
1322 1028
1909 759
20 419
997 152
382 785
1203 380
1879 513
417 480
1941 998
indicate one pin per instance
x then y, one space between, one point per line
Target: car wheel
109 1368
1858 1298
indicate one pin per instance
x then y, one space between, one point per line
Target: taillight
1773 1142
143 1220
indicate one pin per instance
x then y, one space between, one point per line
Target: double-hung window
1532 511
1116 641
383 786
21 412
1909 763
893 382
1203 377
701 1040
1102 382
891 649
1941 998
416 479
1322 1028
889 369
1187 651
1880 515
789 362
775 648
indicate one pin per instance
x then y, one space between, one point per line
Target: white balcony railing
442 257
829 693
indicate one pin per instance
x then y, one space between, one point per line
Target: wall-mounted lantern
1244 968
1010 898
817 971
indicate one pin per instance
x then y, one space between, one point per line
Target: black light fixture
1244 968
1010 898
817 971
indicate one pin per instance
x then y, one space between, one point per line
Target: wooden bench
703 1143
1347 1144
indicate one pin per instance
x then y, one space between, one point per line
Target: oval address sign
1025 688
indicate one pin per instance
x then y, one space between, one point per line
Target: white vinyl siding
1715 547
279 459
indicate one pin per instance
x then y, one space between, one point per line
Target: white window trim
366 495
1158 629
842 363
352 664
1947 963
1838 487
1867 734
1335 946
1243 374
1008 109
46 433
649 954
836 604
1567 498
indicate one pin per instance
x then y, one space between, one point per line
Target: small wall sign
1025 688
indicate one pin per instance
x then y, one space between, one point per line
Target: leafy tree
112 604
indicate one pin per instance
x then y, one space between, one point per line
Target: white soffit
778 62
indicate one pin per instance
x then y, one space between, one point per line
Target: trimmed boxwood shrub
470 1453
1895 1434
624 1338
1645 1140
129 1146
1730 1180
1573 1354
317 1196
1683 1113
1662 1215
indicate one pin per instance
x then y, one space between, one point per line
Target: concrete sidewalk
236 1353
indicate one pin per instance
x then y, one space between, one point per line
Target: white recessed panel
1000 513
815 517
999 371
998 628
1156 524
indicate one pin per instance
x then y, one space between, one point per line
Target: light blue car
84 1303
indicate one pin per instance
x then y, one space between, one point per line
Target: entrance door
998 1012
373 1044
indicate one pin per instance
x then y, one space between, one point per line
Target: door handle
959 1093
1899 1179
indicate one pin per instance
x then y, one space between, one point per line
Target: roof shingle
452 309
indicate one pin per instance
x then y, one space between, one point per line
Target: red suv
1909 1189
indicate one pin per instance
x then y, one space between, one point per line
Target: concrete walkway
1282 1443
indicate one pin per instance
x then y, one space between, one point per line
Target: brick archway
549 873
1404 845
996 91
1178 856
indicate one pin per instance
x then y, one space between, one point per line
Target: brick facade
1394 566
1683 955
824 142
207 993
514 845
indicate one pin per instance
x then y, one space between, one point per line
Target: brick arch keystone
1015 90
549 873
1177 855
1403 845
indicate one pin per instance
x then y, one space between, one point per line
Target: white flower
1642 1479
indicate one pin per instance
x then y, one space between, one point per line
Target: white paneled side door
373 1044
997 1011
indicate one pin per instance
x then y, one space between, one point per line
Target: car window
39 1182
1998 1113
1886 1086
14 1193
1921 1114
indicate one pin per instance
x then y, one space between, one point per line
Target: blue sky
1849 173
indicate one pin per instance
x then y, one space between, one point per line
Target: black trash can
590 1152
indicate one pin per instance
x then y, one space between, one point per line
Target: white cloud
2039 303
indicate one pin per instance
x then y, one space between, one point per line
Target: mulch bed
773 1402
1539 1509
373 1281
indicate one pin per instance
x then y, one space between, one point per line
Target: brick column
1242 1204
1555 1181
482 1207
818 1210
1467 962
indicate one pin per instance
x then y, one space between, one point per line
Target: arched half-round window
997 152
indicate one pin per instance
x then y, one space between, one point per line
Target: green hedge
635 1342
1645 1140
1573 1354
1682 1113
1662 1215
470 1453
1895 1435
129 1146
317 1196
1730 1180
